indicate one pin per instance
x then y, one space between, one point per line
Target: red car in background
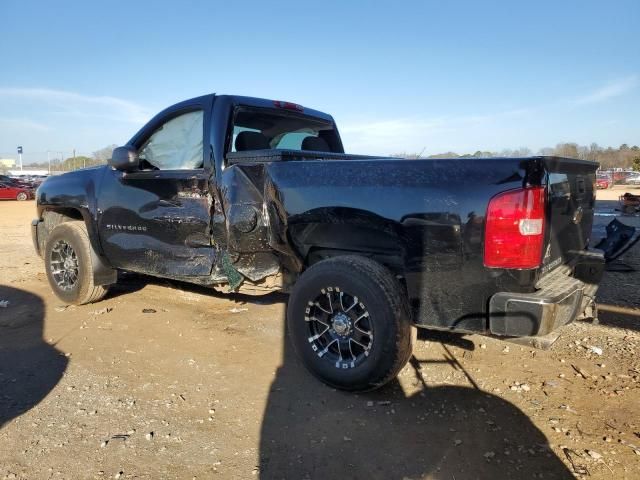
13 192
603 182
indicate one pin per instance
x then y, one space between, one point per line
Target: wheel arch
103 272
345 231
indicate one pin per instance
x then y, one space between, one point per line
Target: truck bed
427 215
262 156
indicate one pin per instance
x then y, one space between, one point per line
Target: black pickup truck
254 196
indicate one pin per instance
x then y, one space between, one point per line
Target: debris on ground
630 203
4 303
572 456
102 311
596 350
520 387
238 310
619 239
582 372
593 454
149 310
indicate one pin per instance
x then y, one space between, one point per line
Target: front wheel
67 258
349 322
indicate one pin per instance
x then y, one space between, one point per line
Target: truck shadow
626 320
29 367
617 297
312 431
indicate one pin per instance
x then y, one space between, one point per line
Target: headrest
251 141
315 144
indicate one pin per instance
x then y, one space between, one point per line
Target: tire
344 356
21 197
69 240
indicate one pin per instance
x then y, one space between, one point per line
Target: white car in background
633 179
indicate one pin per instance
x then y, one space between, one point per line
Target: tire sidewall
382 317
67 233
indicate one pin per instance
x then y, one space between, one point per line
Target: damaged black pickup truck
255 196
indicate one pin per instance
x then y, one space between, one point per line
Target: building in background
7 162
28 172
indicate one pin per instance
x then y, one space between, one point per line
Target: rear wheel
67 257
22 197
349 322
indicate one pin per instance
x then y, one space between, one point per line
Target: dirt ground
205 385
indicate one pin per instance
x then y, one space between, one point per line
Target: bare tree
103 154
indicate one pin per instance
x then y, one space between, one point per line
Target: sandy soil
616 191
206 386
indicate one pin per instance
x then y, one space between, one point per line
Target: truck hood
72 189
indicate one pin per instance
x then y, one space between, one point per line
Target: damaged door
156 220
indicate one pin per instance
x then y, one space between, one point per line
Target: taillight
514 232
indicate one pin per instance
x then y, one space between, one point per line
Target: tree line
99 157
624 156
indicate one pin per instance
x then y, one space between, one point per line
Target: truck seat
315 144
251 141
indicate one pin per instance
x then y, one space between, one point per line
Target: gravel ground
206 385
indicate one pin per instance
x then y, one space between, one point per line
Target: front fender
74 195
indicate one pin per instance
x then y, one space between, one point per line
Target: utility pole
49 160
74 159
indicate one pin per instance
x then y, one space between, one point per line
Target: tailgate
571 198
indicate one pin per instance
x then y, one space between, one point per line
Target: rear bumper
561 297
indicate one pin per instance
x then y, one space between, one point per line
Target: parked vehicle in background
35 180
29 181
617 176
16 182
7 179
633 179
15 192
603 182
255 196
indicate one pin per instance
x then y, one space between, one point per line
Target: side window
177 144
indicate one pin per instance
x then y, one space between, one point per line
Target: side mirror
124 159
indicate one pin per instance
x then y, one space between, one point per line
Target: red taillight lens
514 232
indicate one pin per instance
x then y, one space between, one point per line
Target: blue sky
397 76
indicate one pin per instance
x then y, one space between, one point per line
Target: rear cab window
267 129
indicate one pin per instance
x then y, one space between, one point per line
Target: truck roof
240 100
266 103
